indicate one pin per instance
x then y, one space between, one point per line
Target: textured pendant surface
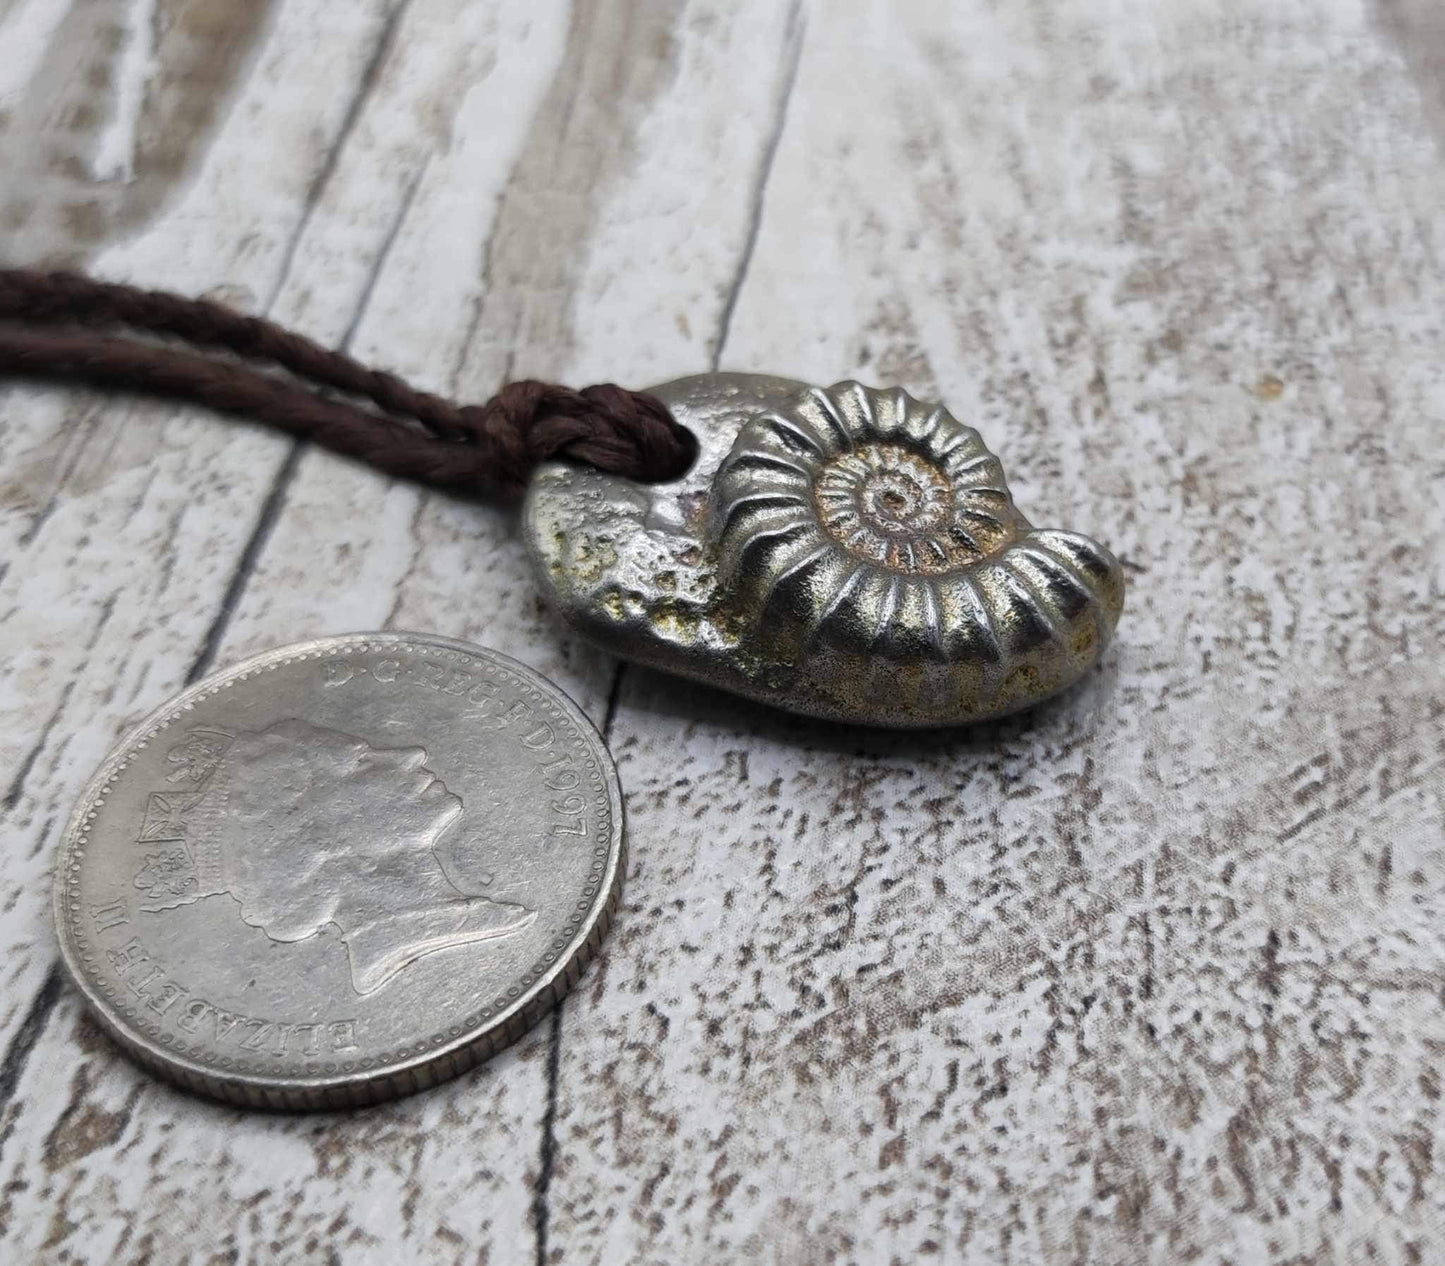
843 552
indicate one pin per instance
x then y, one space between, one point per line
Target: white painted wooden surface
1156 974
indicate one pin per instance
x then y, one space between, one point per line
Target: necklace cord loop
62 325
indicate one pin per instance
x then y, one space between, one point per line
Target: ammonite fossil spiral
843 552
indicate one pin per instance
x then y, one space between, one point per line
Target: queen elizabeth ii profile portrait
305 827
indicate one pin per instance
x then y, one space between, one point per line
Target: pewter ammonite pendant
843 552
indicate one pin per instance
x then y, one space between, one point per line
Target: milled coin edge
405 1076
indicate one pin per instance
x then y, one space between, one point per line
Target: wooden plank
1141 977
1152 974
389 100
517 108
124 519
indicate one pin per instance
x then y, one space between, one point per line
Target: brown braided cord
54 325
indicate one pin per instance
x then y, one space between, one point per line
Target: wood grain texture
1153 974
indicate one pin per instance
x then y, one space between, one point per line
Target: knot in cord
623 432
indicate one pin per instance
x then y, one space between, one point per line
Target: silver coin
342 870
